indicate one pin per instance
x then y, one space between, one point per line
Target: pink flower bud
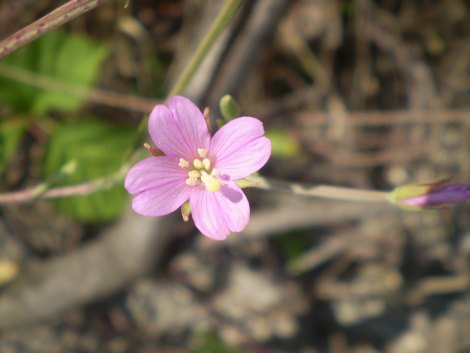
429 195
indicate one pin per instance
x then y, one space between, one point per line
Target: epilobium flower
198 168
429 195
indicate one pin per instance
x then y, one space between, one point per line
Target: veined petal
239 148
152 172
158 185
162 200
179 129
216 214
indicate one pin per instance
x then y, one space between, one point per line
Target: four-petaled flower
198 168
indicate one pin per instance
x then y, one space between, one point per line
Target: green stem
219 24
221 21
322 191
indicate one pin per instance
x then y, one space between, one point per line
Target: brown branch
59 16
86 188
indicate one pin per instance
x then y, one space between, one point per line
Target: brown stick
59 16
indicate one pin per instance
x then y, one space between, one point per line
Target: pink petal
216 214
180 129
158 185
239 148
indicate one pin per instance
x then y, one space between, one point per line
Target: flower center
201 172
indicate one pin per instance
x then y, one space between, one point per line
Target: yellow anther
202 152
194 174
183 163
197 164
191 181
207 164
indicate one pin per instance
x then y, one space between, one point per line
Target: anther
202 152
197 164
183 163
206 164
191 181
194 174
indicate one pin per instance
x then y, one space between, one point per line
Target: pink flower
198 168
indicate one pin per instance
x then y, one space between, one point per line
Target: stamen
206 163
197 164
192 181
202 152
194 174
183 163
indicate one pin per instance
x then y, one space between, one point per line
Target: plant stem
323 191
221 21
112 99
85 188
59 16
219 24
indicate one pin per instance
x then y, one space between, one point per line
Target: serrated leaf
98 149
66 58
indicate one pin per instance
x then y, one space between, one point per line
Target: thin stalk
221 21
322 191
54 19
219 24
85 188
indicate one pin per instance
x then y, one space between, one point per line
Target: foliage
65 58
283 144
10 137
210 343
98 149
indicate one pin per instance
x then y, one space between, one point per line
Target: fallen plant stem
54 19
85 188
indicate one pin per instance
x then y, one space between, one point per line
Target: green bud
229 107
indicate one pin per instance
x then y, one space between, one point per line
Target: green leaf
11 132
210 343
283 144
68 59
98 149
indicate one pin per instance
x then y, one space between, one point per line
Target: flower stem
54 19
323 191
221 21
85 188
219 24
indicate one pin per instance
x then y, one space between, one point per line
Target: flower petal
216 214
180 129
239 148
152 172
158 184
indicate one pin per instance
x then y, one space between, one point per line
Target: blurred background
360 93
